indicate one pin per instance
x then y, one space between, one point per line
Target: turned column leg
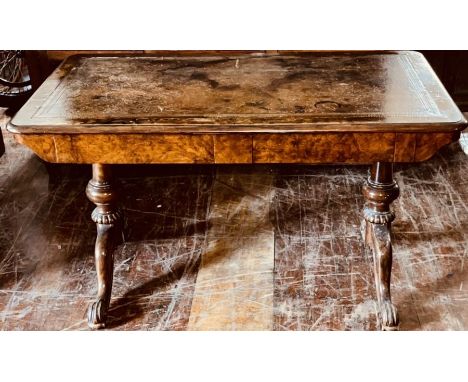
380 191
107 216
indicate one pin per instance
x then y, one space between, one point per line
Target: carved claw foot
97 314
388 316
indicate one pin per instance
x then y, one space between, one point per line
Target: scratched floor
232 248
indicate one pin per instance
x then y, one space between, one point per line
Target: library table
373 108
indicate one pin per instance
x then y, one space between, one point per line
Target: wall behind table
452 68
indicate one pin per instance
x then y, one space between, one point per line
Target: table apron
307 148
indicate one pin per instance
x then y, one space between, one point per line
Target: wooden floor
232 247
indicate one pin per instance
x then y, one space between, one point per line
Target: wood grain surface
234 289
127 148
349 148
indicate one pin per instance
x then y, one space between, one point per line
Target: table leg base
97 314
101 190
106 242
378 242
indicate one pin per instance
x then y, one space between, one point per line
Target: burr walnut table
315 108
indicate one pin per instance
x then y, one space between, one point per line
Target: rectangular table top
285 92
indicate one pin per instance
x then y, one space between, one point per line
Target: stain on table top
304 92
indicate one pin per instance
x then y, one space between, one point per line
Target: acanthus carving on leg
380 191
107 216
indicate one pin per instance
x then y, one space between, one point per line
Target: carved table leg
107 216
380 191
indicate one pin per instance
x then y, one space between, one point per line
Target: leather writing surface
254 91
